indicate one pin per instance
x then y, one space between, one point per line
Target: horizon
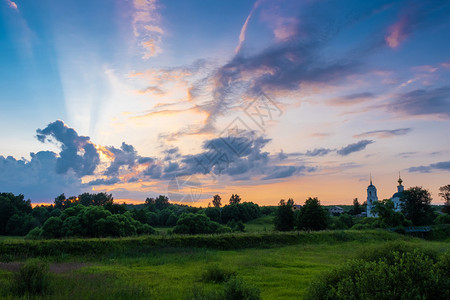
269 100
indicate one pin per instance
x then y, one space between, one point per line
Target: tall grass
22 249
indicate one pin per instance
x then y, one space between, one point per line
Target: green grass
261 224
174 271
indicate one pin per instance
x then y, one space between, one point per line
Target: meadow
280 265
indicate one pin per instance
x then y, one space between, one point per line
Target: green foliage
15 215
32 279
344 221
237 289
444 192
356 209
214 214
386 274
34 234
387 216
215 274
284 216
92 221
312 216
159 203
190 223
240 212
442 219
416 206
52 228
85 199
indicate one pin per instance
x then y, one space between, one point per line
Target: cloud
152 89
37 178
102 181
319 152
352 99
126 156
414 15
77 152
244 27
147 27
421 102
444 165
384 133
12 4
355 147
397 32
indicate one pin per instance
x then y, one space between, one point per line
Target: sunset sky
267 99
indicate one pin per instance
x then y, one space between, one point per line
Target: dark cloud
444 165
355 147
77 152
282 172
384 133
37 177
352 99
102 181
423 102
319 152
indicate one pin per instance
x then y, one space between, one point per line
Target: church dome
397 195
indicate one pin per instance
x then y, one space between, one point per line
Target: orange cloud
146 27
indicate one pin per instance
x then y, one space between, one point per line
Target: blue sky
268 99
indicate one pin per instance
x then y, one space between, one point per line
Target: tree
415 204
444 192
284 216
356 209
235 199
190 223
312 216
387 216
160 203
216 201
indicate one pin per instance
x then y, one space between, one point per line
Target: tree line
416 210
96 215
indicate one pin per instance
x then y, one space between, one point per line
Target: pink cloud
396 33
244 27
12 4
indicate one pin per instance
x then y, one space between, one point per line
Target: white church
372 197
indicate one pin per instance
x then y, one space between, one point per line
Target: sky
267 99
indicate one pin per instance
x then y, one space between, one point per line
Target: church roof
397 195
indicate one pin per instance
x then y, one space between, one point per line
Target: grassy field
280 272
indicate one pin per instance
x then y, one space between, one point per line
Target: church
372 197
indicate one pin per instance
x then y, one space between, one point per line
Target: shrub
215 274
237 289
32 279
402 274
34 234
442 219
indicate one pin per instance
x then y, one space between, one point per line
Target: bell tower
372 198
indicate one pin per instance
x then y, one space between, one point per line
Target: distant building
335 210
397 196
372 197
296 207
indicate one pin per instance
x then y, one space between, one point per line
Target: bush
386 274
34 234
215 274
442 219
32 279
237 289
